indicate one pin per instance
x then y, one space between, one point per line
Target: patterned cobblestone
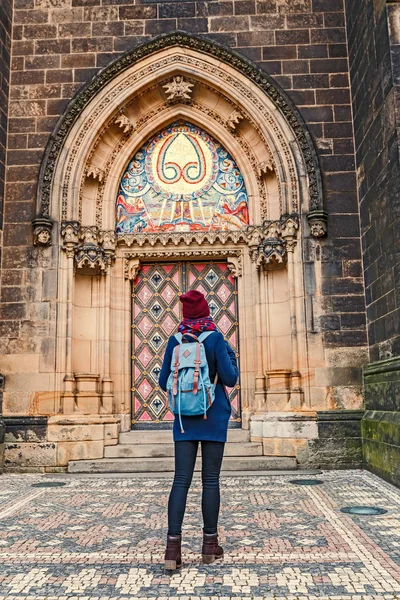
103 538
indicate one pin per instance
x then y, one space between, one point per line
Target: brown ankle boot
211 550
173 558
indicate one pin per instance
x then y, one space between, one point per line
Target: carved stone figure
317 219
42 231
178 89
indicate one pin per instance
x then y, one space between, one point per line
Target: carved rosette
318 222
93 250
42 227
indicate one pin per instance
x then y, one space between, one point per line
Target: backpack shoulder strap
204 335
178 336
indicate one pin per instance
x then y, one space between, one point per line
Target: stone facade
5 47
373 38
318 330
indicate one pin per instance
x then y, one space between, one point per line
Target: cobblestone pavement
103 538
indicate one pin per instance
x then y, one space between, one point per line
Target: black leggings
185 458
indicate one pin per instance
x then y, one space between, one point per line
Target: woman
211 432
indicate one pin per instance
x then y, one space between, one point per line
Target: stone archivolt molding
227 71
230 123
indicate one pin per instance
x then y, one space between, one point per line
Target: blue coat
222 360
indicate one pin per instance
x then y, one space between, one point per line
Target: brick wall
375 79
5 47
374 106
59 44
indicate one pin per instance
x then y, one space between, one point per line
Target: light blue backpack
190 391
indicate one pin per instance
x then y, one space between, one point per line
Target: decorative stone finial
178 89
42 227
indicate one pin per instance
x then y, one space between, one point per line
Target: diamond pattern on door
215 281
156 316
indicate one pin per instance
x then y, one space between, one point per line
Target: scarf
197 325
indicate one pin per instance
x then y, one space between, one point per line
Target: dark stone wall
339 442
377 157
374 53
5 49
381 422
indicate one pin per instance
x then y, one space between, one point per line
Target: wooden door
156 313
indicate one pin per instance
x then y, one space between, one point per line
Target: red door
156 312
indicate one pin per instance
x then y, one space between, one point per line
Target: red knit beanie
194 305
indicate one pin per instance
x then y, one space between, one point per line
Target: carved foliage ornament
124 123
268 243
95 172
253 73
233 120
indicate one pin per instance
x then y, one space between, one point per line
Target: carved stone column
289 234
70 236
260 388
108 240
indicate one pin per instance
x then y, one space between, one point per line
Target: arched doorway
175 110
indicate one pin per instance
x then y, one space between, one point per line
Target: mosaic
104 538
156 316
181 180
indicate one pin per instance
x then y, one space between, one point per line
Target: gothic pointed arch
247 110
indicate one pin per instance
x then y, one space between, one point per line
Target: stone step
164 436
157 465
165 450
